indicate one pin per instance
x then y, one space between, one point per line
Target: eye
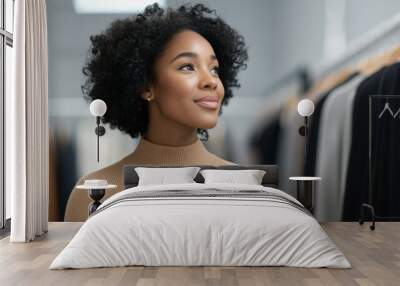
187 67
216 70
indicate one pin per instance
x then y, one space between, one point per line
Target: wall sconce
98 108
305 108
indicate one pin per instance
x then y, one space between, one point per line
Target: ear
146 95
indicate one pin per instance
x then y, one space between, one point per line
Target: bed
201 224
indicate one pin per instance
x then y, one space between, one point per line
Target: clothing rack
299 75
377 39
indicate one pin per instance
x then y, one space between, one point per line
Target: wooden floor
374 255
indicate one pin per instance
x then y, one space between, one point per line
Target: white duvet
190 230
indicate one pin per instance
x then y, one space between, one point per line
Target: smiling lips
210 102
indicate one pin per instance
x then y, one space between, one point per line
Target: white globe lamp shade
98 107
305 107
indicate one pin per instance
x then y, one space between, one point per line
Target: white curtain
27 123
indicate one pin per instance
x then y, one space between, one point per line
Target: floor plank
374 255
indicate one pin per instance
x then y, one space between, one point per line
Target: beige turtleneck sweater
146 153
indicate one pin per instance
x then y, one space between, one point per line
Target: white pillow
248 177
162 176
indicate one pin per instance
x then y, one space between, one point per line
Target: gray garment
333 151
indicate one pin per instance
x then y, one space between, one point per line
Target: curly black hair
120 64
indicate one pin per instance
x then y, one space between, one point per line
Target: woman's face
187 89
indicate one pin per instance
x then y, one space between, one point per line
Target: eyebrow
190 55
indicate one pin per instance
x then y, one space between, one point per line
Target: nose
208 81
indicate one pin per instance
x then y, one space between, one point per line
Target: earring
202 134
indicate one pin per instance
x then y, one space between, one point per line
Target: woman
164 76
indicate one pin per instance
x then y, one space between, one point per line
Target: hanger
387 108
394 55
329 82
374 63
397 113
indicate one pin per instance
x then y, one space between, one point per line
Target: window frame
6 39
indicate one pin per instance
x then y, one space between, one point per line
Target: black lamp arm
303 131
100 131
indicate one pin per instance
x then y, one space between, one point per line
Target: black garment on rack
357 182
266 142
312 143
385 157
